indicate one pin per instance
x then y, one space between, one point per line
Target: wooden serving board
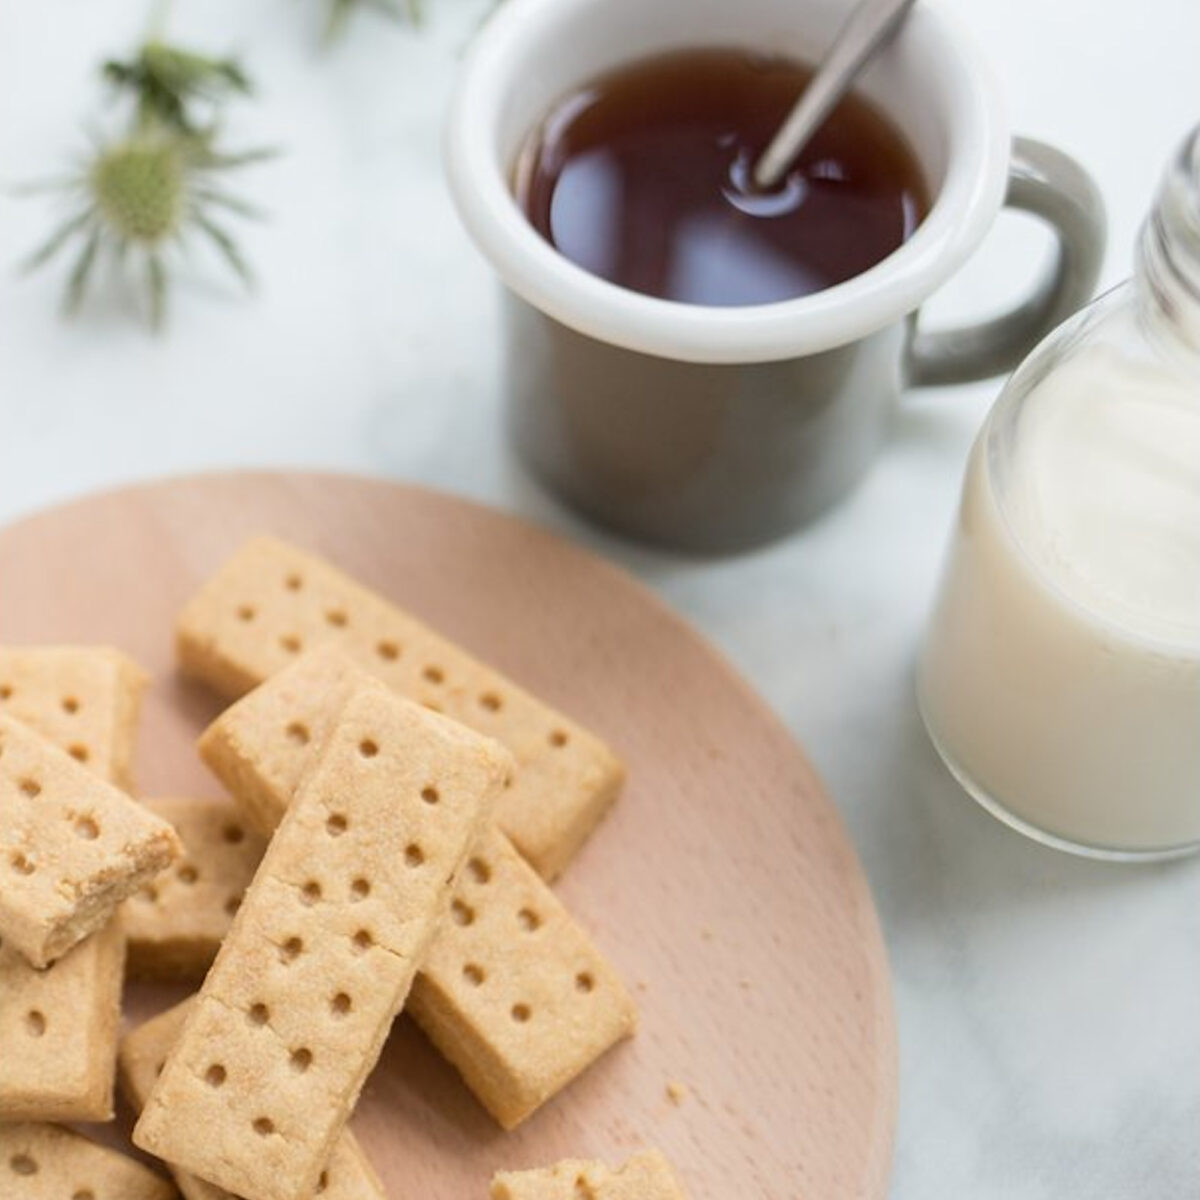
722 885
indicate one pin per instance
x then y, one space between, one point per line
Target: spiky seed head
140 188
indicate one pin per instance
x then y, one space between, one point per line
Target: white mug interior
932 82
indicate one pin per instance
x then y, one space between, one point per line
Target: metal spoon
869 27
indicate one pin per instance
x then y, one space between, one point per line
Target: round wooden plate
722 884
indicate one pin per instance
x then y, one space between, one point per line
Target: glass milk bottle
1060 677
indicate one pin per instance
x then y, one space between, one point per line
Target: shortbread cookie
58 1031
62 1069
261 746
73 847
646 1176
174 925
323 951
271 602
85 699
143 1054
511 947
512 991
46 1162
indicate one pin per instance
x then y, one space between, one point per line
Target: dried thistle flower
165 80
140 195
339 13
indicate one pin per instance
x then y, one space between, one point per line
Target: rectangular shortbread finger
512 991
46 1162
271 602
85 699
72 846
507 926
56 1066
646 1176
175 924
323 950
348 1176
58 1031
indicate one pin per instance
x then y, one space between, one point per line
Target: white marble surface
1048 1008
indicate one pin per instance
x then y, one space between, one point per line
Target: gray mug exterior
718 458
705 457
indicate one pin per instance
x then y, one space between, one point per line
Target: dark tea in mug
643 178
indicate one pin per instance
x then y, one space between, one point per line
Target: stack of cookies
397 813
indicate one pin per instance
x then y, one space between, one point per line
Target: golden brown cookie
646 1176
143 1053
323 950
174 925
272 602
510 947
85 700
72 847
46 1162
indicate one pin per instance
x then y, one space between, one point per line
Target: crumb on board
676 1092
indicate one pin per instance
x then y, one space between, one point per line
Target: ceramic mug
716 429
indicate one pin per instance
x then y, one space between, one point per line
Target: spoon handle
867 29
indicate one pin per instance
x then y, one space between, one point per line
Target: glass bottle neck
1167 274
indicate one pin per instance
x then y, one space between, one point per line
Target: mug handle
1051 185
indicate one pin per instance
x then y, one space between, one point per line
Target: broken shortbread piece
174 925
512 990
348 1176
323 951
46 1162
271 602
646 1176
58 1031
73 847
56 1066
85 699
